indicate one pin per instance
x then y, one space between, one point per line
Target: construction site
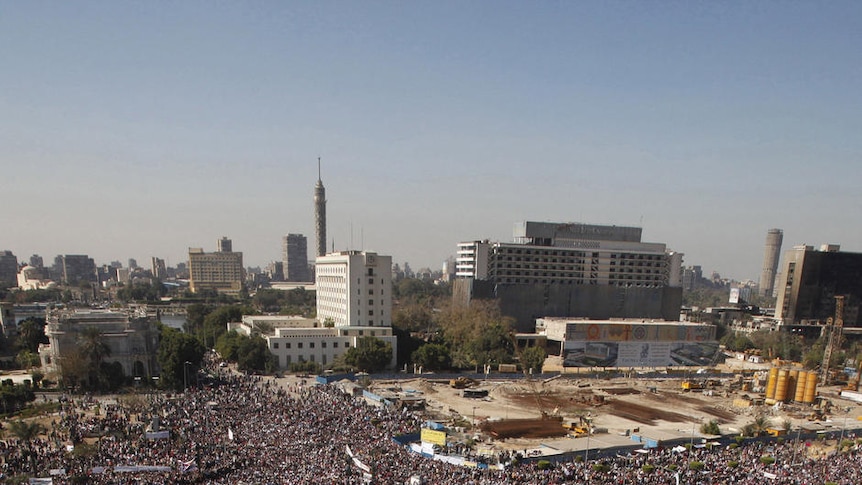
572 411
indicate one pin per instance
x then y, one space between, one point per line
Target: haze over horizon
143 129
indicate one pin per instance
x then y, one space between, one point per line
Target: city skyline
140 130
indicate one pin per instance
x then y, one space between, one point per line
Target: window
275 345
334 345
287 345
370 291
311 345
370 271
299 345
287 360
370 313
360 333
370 281
322 345
370 302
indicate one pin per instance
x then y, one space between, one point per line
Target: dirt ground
654 408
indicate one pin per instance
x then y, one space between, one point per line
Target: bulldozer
462 383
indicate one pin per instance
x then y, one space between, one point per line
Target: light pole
185 375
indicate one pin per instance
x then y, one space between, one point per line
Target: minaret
320 213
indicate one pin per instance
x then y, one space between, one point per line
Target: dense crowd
241 429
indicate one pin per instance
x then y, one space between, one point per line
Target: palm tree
26 433
94 349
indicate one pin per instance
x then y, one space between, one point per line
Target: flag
230 434
188 466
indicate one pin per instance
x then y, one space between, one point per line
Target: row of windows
299 345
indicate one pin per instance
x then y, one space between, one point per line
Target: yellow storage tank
793 378
801 382
770 383
781 386
810 388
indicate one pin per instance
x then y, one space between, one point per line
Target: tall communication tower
320 213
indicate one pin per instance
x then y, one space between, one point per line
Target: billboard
604 344
433 437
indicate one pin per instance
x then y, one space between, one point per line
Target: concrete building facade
354 288
810 281
132 338
8 269
771 254
296 339
583 270
295 258
221 271
77 268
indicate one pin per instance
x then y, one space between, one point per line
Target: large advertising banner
638 354
433 437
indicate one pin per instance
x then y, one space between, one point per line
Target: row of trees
788 346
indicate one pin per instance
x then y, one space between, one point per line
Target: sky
140 129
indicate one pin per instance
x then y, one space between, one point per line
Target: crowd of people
245 429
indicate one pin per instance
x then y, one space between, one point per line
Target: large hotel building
572 269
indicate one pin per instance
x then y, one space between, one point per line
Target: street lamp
186 375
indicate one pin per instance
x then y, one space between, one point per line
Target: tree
432 357
710 428
477 335
254 355
175 350
370 354
93 349
26 432
27 359
228 345
31 333
533 358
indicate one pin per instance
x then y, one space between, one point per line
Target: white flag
230 434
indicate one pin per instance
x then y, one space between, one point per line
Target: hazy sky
139 129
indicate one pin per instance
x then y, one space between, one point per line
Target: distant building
133 339
30 278
221 271
771 254
571 269
295 258
225 245
810 281
691 277
8 269
78 268
160 271
354 288
36 261
132 263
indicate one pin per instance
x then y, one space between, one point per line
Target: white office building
354 289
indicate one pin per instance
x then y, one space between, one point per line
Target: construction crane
834 329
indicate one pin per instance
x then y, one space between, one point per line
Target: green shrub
767 460
732 464
733 446
543 464
695 465
739 439
648 468
672 467
601 467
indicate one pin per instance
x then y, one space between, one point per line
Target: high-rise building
77 268
225 245
320 213
133 264
771 254
221 271
354 288
36 261
160 271
572 270
810 281
8 269
295 258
